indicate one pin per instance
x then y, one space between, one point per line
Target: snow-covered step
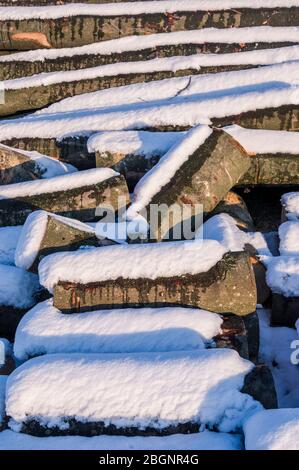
45 330
289 239
199 170
273 430
78 24
17 166
268 107
160 393
290 206
194 273
283 280
77 195
19 291
215 50
274 154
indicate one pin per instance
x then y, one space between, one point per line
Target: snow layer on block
283 275
130 262
205 440
223 228
273 430
141 143
33 232
171 64
3 379
264 141
289 239
18 288
290 203
177 89
275 352
9 237
166 168
253 34
44 330
49 167
60 183
138 8
142 390
184 111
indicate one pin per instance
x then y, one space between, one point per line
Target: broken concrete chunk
44 233
17 166
197 173
259 383
83 196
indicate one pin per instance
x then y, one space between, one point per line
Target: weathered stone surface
252 328
21 68
78 203
16 167
211 290
62 235
205 178
260 385
273 170
263 291
285 310
233 335
79 30
235 206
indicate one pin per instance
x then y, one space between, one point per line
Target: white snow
130 262
290 203
275 351
289 239
166 168
33 232
44 330
283 275
59 183
265 141
48 167
3 379
253 34
142 143
205 440
148 389
135 8
180 111
223 228
261 242
172 64
178 89
273 430
9 237
17 287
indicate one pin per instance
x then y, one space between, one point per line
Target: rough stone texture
205 178
79 30
78 203
260 385
285 310
211 290
252 328
235 206
16 167
233 335
18 69
61 236
267 169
